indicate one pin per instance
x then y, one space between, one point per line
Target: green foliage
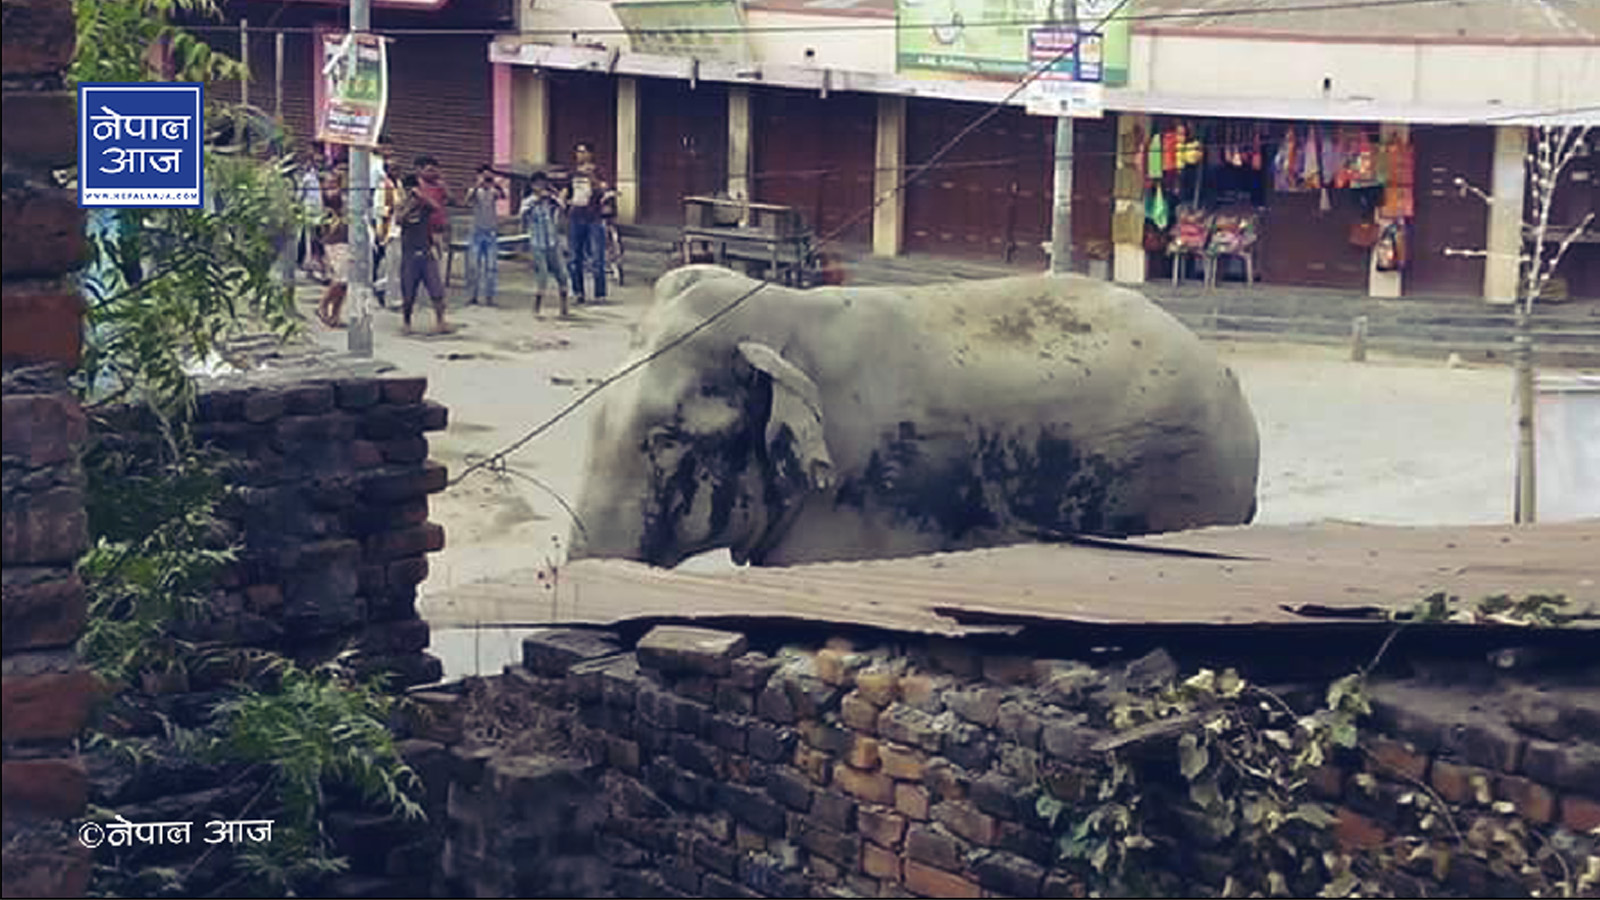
1227 813
116 39
1542 610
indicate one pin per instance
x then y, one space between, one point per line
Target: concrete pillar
530 128
1127 209
627 150
740 150
888 219
1502 269
1386 285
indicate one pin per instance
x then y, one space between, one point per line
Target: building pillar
627 150
888 218
1128 257
530 129
740 150
1502 270
1386 285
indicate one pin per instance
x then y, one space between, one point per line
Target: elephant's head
713 444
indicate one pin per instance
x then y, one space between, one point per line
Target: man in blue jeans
586 195
483 254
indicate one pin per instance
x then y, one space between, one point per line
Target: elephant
845 423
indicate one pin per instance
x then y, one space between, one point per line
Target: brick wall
698 768
44 691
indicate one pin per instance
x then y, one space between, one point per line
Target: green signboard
989 38
705 29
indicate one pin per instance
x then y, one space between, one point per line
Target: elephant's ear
794 429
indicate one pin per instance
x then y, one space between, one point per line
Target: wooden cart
719 229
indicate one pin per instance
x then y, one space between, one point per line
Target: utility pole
358 205
1061 205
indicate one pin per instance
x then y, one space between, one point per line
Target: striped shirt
539 221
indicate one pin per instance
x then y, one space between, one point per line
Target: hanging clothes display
1399 198
1286 164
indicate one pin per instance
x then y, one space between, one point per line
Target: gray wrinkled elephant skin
851 423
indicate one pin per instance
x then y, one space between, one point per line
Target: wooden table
760 232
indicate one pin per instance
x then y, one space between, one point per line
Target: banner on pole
355 89
1063 57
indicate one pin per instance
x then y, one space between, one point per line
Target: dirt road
1388 441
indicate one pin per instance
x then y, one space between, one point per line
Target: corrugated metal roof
1523 21
1255 575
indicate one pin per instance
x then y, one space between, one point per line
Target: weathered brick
812 697
827 737
553 651
41 608
968 746
751 671
965 820
676 649
404 390
911 800
899 761
996 795
833 810
1009 670
407 571
856 711
878 685
44 788
931 882
954 656
264 598
1009 874
1354 831
978 705
1574 767
695 755
41 234
752 807
817 765
774 705
1071 739
749 840
261 406
881 826
391 485
771 743
844 850
727 733
357 393
933 845
623 754
863 754
42 429
690 716
50 705
46 527
922 692
1457 783
391 545
879 862
1535 802
823 872
838 667
947 781
730 698
62 870
1024 841
39 38
1580 814
872 787
791 788
1063 884
1398 758
906 725
719 858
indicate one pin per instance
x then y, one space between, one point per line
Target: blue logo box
140 144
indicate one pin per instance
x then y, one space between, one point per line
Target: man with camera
483 254
419 259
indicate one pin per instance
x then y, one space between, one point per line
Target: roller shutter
817 155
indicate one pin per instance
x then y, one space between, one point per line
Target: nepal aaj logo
140 145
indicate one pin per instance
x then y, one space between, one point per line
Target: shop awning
553 56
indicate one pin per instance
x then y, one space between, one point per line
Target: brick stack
832 772
331 507
46 691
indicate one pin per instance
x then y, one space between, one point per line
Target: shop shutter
817 155
1445 219
583 107
683 146
441 104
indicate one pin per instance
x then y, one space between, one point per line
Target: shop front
1290 203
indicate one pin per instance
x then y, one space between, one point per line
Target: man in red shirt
432 187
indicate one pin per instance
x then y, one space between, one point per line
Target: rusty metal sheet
1256 575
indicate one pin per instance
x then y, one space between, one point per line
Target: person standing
419 258
336 249
310 196
540 214
586 195
483 253
384 203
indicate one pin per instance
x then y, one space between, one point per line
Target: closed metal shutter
441 103
817 155
683 146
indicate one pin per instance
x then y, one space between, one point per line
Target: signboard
354 82
957 36
711 30
1061 56
140 144
1065 98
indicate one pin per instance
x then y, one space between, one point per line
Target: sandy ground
1387 441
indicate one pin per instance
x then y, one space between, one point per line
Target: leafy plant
1228 811
1543 610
